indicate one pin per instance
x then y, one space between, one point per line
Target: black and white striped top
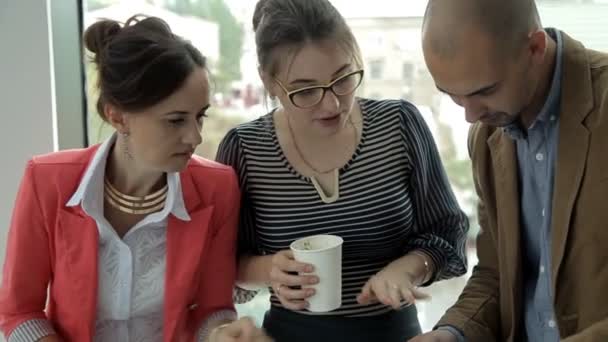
394 197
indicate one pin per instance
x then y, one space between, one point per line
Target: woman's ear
116 118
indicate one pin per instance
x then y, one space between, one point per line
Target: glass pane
388 32
200 22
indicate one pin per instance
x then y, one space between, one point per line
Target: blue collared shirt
536 156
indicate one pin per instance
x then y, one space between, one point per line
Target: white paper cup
324 252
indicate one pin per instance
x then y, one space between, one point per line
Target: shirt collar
551 106
89 193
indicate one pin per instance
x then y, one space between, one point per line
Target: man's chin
499 120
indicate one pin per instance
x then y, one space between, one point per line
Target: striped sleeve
31 331
441 227
230 153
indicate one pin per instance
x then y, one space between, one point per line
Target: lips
187 153
331 117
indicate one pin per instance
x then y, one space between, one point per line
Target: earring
125 145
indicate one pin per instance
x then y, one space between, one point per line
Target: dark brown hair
139 63
293 23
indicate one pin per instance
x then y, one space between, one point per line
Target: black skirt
288 326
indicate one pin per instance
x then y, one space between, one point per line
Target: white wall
26 101
68 70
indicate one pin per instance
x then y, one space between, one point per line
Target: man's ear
538 45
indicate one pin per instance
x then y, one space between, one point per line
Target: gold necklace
336 174
132 204
301 155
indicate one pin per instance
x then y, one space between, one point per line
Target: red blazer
51 246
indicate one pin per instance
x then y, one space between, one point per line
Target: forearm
418 265
254 270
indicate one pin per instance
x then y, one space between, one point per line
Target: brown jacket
490 307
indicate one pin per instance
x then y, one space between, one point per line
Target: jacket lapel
185 244
573 146
504 159
76 274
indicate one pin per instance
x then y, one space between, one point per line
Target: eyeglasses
310 96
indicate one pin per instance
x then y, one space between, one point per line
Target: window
376 69
224 35
408 72
205 26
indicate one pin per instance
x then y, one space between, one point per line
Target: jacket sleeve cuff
204 330
455 331
31 331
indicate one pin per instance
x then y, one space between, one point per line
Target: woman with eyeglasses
327 162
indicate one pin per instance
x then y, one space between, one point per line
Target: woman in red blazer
133 239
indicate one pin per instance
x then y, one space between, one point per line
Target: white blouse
131 270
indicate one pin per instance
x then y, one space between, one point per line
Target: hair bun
98 35
143 23
258 13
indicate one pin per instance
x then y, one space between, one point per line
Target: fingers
238 328
291 289
279 276
388 294
294 299
283 264
295 294
366 296
394 298
391 294
381 291
420 295
248 329
260 337
284 261
252 333
411 295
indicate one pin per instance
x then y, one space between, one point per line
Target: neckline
287 164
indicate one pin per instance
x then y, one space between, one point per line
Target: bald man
538 102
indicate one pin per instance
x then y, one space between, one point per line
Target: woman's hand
393 285
243 330
51 338
286 282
